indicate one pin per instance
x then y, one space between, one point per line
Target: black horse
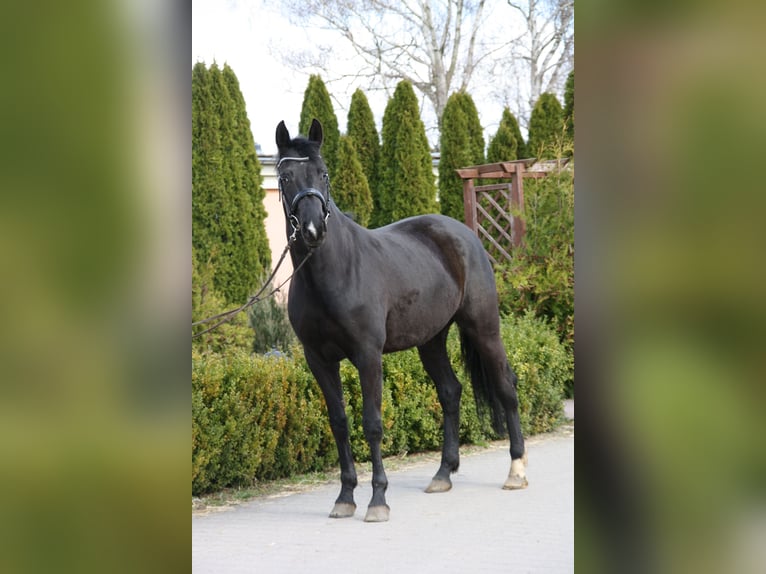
364 292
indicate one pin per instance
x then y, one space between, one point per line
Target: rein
291 217
229 315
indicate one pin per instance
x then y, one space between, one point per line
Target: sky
239 34
247 35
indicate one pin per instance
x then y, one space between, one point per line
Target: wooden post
469 198
469 204
517 203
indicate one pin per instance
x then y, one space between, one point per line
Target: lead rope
229 315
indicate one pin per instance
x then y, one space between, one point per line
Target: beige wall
275 229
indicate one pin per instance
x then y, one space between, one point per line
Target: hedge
260 417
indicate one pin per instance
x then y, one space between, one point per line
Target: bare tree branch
441 46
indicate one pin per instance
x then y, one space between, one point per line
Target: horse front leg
371 378
437 364
328 377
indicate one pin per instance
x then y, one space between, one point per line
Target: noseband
309 192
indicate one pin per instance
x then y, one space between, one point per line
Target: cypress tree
364 135
317 104
350 189
225 222
251 182
475 131
522 149
503 146
406 184
461 144
545 126
569 106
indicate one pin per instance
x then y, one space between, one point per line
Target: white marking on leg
518 468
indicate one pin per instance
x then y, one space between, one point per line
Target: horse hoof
515 483
377 514
439 485
517 477
343 510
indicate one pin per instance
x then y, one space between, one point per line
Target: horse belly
416 318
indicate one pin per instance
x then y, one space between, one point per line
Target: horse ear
283 136
315 132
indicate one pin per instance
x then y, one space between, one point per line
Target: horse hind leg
517 476
436 363
494 381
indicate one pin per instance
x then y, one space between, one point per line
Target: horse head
304 184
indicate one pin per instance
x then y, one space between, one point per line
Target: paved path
476 527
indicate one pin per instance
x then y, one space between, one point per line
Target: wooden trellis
494 211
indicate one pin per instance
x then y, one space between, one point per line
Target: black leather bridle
303 194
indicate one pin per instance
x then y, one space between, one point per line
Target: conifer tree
545 126
503 146
317 104
406 184
252 181
569 106
350 190
461 144
364 135
475 131
522 149
226 225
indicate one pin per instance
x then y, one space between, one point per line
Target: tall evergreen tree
226 226
546 125
522 149
569 111
252 181
406 184
364 135
461 144
503 146
350 190
317 104
475 131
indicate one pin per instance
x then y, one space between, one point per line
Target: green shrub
271 326
543 366
541 276
256 418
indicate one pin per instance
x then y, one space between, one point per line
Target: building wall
275 223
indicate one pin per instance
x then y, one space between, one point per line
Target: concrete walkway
476 527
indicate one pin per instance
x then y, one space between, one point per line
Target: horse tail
484 393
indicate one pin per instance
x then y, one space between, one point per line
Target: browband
291 159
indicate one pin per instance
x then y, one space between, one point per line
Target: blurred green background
670 287
94 248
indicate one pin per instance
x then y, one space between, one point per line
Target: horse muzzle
313 233
311 222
